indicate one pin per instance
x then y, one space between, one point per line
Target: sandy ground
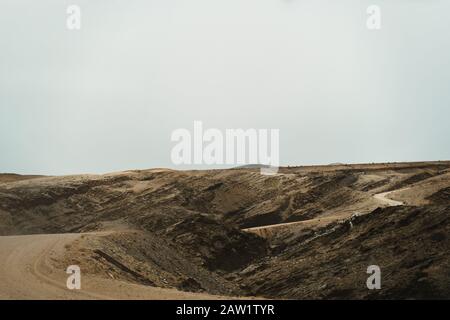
27 272
383 197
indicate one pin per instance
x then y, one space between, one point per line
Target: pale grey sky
107 97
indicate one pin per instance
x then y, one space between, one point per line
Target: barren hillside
307 232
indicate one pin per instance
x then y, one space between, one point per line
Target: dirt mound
146 259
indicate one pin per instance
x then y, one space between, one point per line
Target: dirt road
27 271
267 230
390 202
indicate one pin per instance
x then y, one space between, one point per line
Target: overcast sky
107 97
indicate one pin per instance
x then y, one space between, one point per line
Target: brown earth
307 232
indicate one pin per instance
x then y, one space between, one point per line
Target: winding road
267 230
390 202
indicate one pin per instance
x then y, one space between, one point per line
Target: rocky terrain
307 232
